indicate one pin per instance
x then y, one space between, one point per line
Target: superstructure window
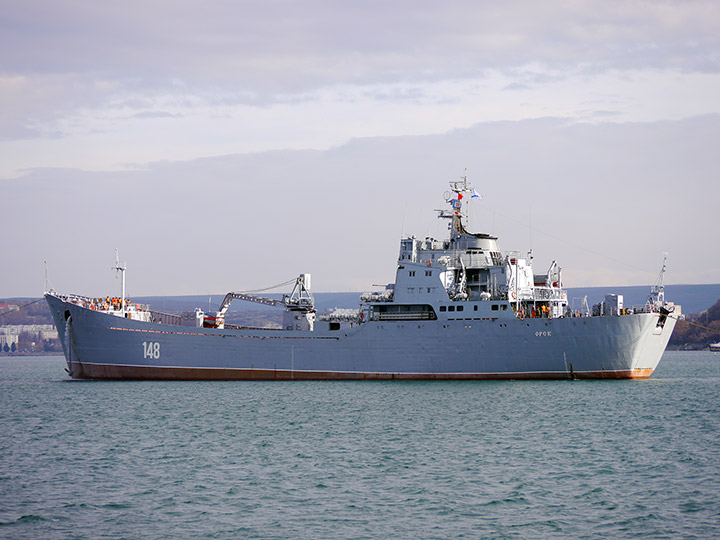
443 308
403 312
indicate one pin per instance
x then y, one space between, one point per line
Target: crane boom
300 299
229 297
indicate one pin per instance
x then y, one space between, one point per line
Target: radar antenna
454 197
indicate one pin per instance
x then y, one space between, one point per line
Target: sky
232 145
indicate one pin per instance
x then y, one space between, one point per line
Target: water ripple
495 460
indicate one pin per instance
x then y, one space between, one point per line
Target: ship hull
102 346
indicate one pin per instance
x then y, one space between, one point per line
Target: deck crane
299 306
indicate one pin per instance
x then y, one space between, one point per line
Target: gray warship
460 308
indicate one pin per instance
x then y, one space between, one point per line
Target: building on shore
10 335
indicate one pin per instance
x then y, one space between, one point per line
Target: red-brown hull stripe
104 371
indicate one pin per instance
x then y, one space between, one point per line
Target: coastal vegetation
698 330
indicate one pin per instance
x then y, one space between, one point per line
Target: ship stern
654 341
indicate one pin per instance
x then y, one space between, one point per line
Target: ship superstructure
459 308
468 269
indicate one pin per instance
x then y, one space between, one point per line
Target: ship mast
458 190
120 267
455 199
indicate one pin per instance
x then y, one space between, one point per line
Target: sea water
360 460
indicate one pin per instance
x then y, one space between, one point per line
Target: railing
159 317
78 300
606 311
547 293
102 304
343 315
384 296
240 327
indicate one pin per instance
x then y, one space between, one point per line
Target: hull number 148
151 349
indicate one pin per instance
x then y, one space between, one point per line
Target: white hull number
151 349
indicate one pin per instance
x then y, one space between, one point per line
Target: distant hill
692 298
699 302
698 331
323 301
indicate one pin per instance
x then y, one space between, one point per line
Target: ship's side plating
458 309
630 346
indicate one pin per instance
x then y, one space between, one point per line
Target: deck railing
159 317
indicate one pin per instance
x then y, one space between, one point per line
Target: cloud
282 45
72 54
137 129
233 135
154 114
605 200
